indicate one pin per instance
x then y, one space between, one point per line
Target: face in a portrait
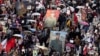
57 36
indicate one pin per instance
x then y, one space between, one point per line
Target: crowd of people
23 26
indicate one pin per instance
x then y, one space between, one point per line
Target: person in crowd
45 36
62 20
80 17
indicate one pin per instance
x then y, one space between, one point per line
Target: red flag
10 44
85 50
75 19
1 1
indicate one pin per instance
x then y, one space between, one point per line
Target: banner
54 13
62 35
61 38
51 18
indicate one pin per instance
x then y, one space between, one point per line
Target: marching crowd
23 25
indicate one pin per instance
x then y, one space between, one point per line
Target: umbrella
31 20
36 2
68 12
93 5
27 32
42 47
84 23
29 7
32 29
61 4
40 6
18 35
3 4
70 45
71 8
80 7
36 14
3 22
